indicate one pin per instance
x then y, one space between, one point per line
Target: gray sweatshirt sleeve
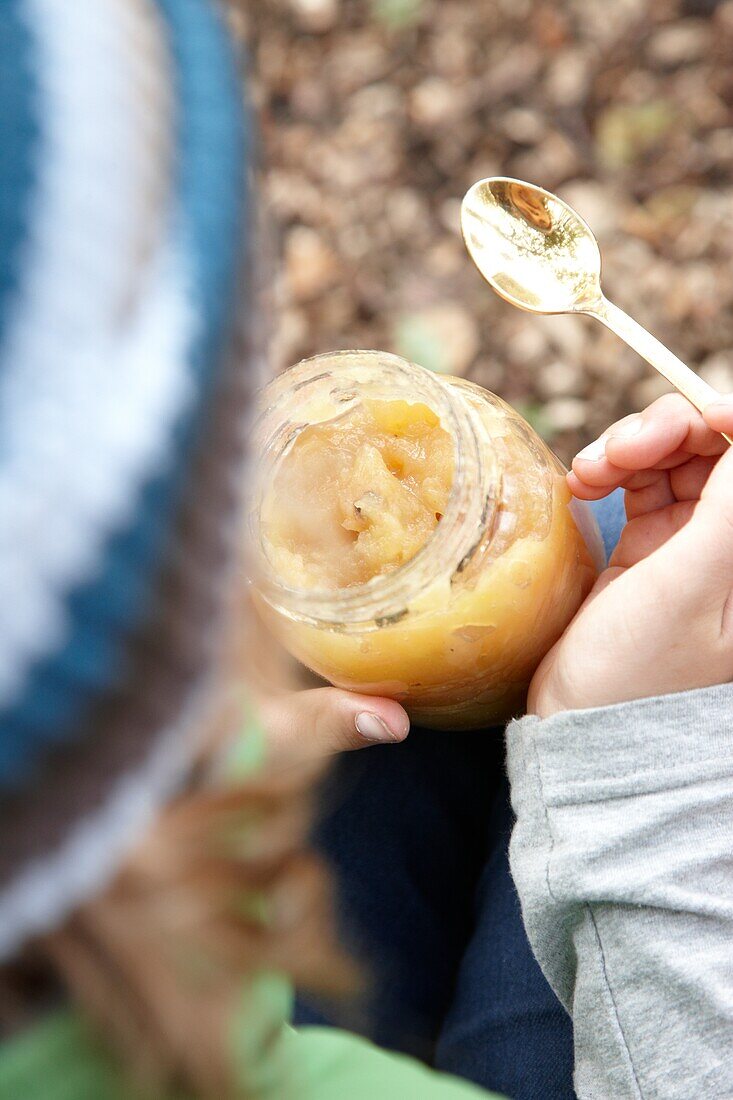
623 858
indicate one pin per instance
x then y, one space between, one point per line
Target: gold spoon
538 254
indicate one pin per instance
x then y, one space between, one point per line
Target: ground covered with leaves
377 115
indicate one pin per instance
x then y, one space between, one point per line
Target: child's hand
660 618
302 726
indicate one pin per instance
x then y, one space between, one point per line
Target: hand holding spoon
538 254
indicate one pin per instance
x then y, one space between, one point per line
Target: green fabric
326 1064
280 1063
59 1059
259 1057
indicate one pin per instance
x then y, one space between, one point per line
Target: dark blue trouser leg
417 834
405 830
505 1028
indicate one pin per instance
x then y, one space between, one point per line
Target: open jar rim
325 387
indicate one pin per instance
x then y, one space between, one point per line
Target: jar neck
327 388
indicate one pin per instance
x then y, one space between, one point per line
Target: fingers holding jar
660 456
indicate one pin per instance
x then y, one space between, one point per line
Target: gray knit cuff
626 749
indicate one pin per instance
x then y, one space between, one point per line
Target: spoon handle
698 392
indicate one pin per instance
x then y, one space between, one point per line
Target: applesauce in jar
413 536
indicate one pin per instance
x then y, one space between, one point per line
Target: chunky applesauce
358 496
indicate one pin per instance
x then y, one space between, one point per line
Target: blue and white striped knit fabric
122 177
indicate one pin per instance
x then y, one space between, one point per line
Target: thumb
304 725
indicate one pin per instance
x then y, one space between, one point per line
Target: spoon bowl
539 255
531 247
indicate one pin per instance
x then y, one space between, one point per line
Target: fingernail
594 451
372 728
627 429
724 399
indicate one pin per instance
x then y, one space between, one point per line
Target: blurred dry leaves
377 115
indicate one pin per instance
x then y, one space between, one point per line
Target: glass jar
455 632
